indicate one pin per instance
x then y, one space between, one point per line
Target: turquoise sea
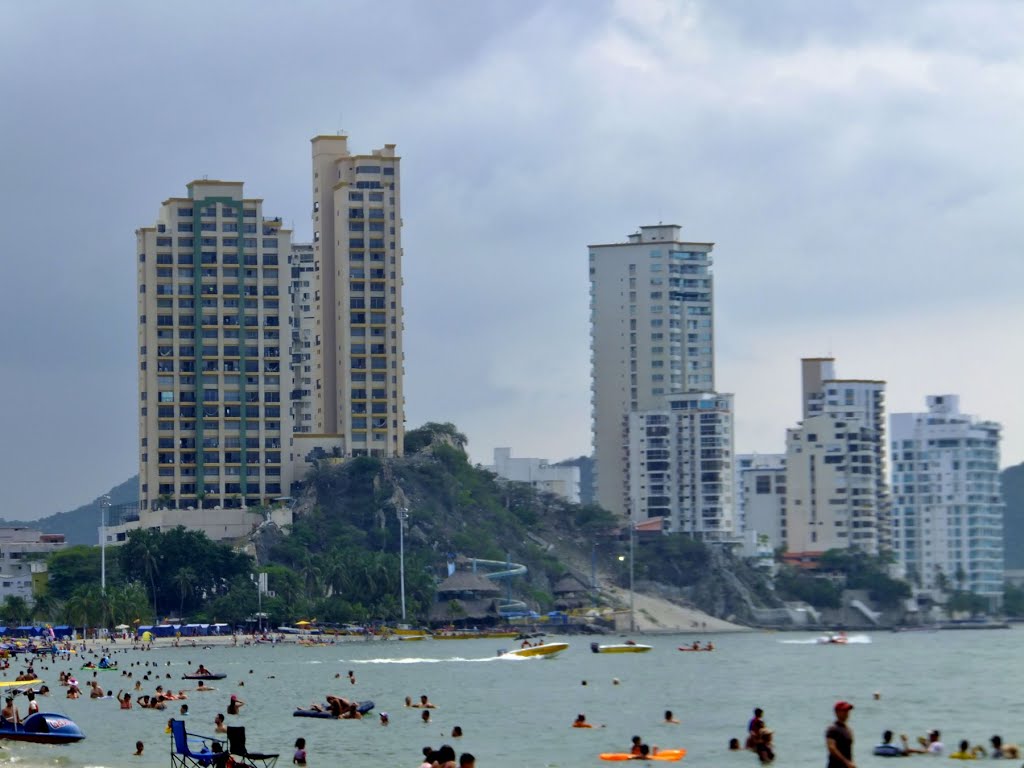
518 712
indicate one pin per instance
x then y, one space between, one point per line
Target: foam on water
850 640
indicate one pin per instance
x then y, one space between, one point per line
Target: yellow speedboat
620 648
547 649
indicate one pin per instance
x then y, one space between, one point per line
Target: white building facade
652 335
213 333
761 496
302 290
947 504
680 464
836 491
21 549
559 480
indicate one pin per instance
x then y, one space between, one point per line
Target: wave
416 660
850 640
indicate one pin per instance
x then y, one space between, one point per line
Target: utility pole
403 515
104 508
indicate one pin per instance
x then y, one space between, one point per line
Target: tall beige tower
652 336
357 396
214 381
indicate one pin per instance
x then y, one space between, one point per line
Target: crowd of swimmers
932 744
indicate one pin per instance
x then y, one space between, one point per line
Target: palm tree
81 608
47 608
312 576
129 603
149 557
185 580
16 609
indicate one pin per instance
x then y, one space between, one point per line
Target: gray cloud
857 164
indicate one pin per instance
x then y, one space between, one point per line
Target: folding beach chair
190 750
237 748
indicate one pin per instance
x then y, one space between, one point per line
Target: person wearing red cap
839 738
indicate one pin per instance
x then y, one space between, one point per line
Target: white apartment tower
213 334
302 290
836 494
680 464
652 339
948 508
358 363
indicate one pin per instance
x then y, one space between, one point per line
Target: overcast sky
859 166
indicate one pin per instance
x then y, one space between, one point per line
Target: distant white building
221 524
561 481
836 491
680 466
19 549
948 509
761 496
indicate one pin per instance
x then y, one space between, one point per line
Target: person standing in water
839 738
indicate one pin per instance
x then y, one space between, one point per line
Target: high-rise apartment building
680 464
948 508
302 290
836 492
213 333
358 364
652 340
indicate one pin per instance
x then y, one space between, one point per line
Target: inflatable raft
672 755
363 708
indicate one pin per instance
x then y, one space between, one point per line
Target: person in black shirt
839 738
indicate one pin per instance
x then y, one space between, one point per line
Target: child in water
299 758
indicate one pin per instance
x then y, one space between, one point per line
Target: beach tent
166 630
144 629
62 632
3 631
219 629
27 631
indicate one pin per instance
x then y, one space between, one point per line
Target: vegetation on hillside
339 562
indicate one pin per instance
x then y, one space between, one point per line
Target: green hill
80 525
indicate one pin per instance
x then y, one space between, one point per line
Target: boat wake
415 660
850 640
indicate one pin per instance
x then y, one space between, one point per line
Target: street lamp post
403 515
104 508
632 592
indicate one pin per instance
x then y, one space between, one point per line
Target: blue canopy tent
142 629
28 631
166 630
63 632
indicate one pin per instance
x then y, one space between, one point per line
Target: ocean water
517 712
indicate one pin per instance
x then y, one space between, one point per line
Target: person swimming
581 721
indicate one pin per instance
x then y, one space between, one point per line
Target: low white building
761 497
561 481
218 524
19 549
